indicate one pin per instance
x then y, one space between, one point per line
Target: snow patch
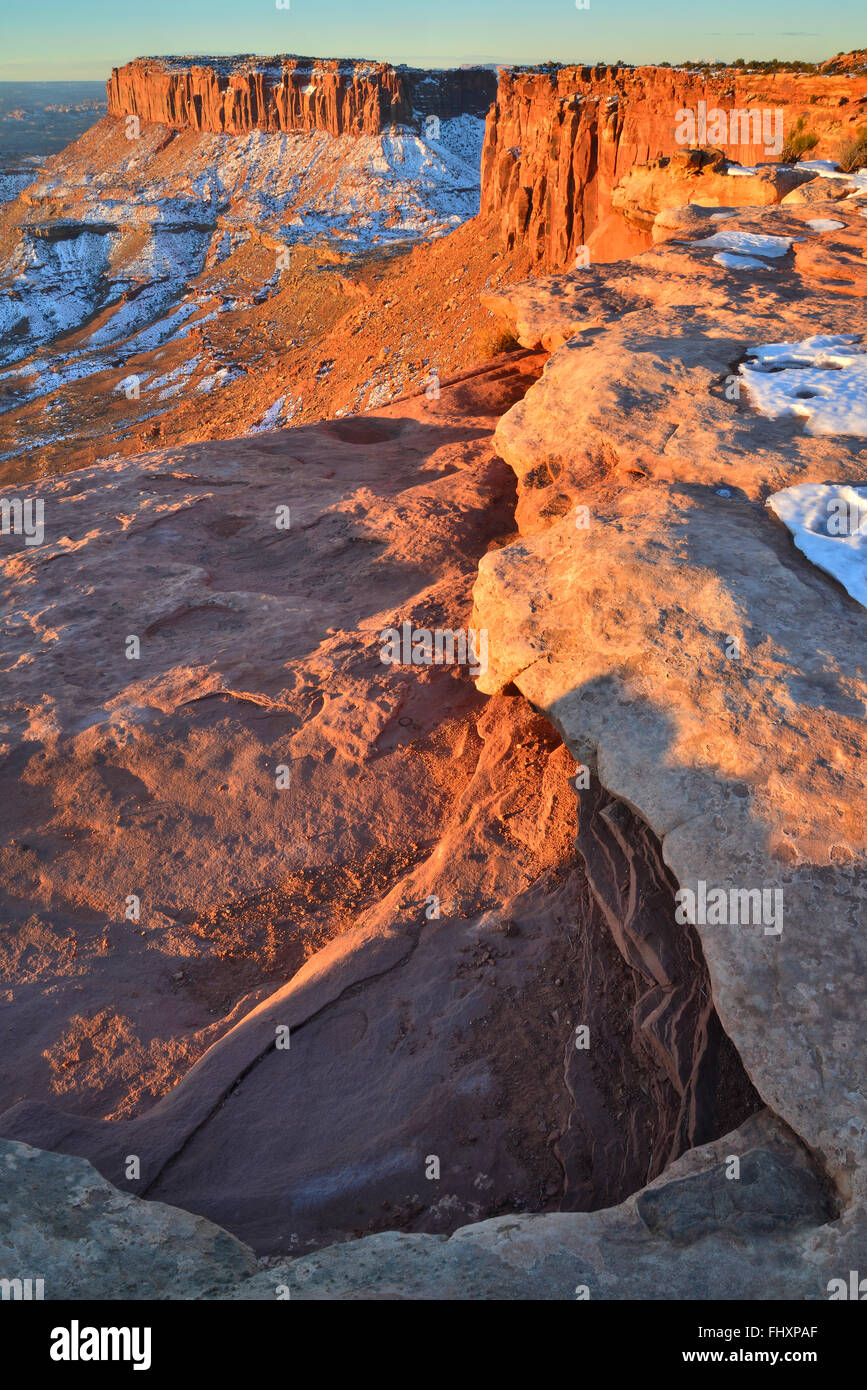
829 524
11 184
751 243
827 169
822 379
732 261
270 418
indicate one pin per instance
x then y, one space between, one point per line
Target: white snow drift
822 379
829 524
747 243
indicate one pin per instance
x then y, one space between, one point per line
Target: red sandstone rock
450 1033
700 177
236 95
557 143
853 61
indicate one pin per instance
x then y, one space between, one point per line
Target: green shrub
854 153
798 142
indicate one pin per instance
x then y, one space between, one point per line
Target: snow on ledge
751 243
822 379
733 261
828 522
827 169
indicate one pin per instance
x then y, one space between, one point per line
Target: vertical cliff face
557 142
289 93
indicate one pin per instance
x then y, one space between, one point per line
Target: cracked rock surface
705 677
634 1250
378 859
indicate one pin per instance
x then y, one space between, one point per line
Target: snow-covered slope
115 228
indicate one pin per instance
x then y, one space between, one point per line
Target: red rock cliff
235 95
557 142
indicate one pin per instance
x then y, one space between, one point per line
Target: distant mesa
291 93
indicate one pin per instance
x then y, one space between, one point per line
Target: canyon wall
557 142
236 95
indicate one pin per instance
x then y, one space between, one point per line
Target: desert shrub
798 142
853 155
494 338
781 65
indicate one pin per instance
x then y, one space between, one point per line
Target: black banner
225 1339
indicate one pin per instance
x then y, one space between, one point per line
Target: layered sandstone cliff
559 141
291 93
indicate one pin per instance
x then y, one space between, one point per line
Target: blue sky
53 39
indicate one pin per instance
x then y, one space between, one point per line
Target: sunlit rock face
659 614
510 968
560 140
340 96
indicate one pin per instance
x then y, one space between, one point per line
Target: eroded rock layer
340 96
696 1088
692 1234
559 141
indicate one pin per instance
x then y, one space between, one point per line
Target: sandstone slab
62 1223
665 623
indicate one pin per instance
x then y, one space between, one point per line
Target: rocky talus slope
666 676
